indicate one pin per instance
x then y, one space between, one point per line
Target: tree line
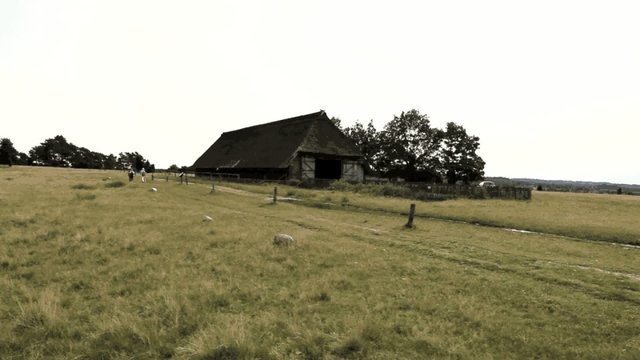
57 151
409 147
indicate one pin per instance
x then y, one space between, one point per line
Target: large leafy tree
87 159
410 147
368 141
134 160
59 152
337 122
53 152
459 158
8 153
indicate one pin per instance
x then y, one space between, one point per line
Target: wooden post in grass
412 211
275 194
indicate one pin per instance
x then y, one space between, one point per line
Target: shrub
340 185
323 296
114 184
233 352
350 348
110 343
83 187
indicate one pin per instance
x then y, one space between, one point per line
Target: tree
337 122
87 159
8 153
59 152
459 159
134 160
368 141
53 152
410 147
110 162
22 159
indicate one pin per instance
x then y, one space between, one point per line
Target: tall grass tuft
114 184
82 186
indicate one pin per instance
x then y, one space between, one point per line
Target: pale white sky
552 88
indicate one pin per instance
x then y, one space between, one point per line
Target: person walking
142 174
131 174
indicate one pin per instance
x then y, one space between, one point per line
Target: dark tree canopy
8 153
53 152
367 139
460 162
134 160
59 152
337 122
410 147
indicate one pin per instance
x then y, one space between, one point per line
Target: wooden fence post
412 211
275 194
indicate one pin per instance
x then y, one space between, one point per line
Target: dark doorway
328 169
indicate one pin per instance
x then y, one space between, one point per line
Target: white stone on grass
283 240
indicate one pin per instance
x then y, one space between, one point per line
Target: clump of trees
57 151
9 155
411 148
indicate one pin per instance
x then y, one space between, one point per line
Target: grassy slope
96 272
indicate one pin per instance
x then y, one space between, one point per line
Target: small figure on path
142 174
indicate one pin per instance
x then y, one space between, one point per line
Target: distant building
305 148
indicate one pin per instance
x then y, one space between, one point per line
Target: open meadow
95 267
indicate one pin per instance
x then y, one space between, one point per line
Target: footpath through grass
94 267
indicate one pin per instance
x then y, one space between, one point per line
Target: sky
551 88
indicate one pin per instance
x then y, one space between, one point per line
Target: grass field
95 267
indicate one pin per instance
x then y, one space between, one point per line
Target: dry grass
136 274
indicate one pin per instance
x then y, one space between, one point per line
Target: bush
109 344
83 187
233 352
340 185
114 184
350 348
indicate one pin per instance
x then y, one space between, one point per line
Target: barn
305 148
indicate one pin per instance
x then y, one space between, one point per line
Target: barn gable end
305 147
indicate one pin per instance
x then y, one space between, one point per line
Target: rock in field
283 240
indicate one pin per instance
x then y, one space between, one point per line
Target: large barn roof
275 144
